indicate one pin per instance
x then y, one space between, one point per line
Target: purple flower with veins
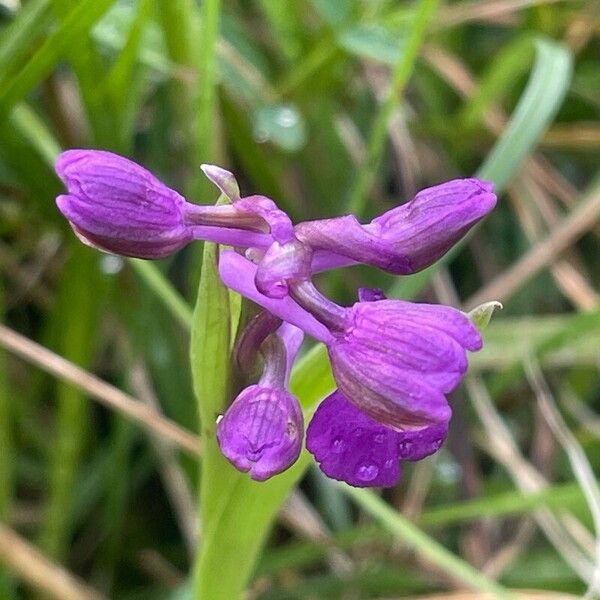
393 361
407 238
261 432
117 206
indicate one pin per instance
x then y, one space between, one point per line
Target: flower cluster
394 362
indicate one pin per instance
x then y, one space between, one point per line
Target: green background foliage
327 107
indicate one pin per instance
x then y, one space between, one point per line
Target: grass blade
78 22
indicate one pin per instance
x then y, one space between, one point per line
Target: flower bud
261 432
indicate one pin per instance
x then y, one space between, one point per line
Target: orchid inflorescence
393 361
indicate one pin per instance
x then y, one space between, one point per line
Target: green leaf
535 111
374 42
77 23
546 88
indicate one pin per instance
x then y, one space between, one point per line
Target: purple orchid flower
261 432
407 238
394 362
117 206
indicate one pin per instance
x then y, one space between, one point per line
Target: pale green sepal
482 314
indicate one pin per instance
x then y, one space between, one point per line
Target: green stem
7 458
210 360
402 72
427 547
75 323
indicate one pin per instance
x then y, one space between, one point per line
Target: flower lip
352 447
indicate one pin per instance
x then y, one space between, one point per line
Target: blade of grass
582 218
7 452
566 495
100 390
207 102
88 66
534 113
426 546
425 12
35 569
122 83
161 287
17 38
76 318
35 131
539 103
77 23
180 24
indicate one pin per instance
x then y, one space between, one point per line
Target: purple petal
370 294
239 273
292 338
450 321
261 432
350 446
323 260
416 445
279 223
425 228
345 236
280 263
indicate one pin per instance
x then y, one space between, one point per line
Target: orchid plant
393 362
